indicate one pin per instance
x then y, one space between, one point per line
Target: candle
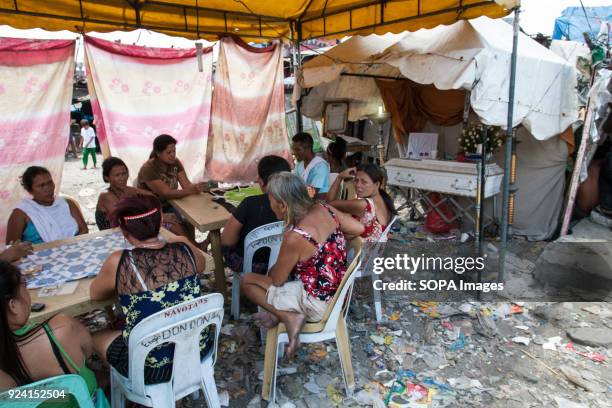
380 109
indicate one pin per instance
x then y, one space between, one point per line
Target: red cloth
23 52
434 222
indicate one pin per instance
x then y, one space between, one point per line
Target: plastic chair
71 383
371 251
265 236
181 325
332 326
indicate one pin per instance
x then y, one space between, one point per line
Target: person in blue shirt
312 169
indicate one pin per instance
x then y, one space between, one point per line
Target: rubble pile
429 354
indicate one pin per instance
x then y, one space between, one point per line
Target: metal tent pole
480 194
300 124
509 164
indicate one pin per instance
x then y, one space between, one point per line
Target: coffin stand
417 179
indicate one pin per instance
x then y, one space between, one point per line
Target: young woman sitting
373 207
153 276
61 345
313 248
44 217
116 173
163 172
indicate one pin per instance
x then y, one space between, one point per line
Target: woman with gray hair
313 248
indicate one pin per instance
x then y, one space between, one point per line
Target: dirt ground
84 185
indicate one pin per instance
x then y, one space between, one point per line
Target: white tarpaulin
570 50
472 55
355 55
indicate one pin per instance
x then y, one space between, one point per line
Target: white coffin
448 177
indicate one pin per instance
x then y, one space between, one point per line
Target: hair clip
143 215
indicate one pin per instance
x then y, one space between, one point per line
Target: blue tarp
573 22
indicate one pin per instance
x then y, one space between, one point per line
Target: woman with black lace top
153 276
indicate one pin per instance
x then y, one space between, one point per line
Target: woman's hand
16 251
203 187
194 189
198 188
170 218
348 173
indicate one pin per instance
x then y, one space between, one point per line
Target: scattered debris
552 343
312 386
224 399
522 340
597 357
575 378
464 383
564 403
334 396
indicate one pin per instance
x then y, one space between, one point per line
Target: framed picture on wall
421 145
335 114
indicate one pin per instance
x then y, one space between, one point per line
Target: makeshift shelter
435 68
293 20
469 55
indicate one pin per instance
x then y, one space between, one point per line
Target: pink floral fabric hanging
138 93
36 79
248 112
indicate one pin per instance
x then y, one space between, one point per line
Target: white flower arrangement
474 135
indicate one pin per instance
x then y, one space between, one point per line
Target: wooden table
207 216
77 302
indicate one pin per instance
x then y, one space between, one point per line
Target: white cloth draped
52 222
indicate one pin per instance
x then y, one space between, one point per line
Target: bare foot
294 323
259 315
272 321
265 319
265 324
83 168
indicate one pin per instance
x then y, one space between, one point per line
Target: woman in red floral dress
313 248
373 207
